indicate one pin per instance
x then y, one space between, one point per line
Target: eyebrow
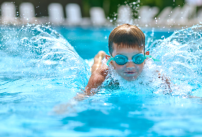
126 53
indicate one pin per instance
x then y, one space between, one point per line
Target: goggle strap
111 59
149 56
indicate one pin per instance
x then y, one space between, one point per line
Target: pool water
96 39
43 67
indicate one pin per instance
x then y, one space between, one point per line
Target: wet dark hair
126 35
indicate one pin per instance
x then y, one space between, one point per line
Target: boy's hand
69 106
96 79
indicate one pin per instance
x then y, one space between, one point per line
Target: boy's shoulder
110 83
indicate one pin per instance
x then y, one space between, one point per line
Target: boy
127 47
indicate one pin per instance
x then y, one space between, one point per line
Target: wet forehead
126 50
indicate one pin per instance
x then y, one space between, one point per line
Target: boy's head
126 35
127 40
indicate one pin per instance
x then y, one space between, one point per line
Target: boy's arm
99 72
98 75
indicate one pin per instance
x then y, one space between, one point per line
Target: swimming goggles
137 59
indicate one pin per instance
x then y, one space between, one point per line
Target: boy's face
129 71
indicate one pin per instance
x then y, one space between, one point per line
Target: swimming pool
40 70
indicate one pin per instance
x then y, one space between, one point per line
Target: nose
130 65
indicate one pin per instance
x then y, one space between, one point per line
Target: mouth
130 72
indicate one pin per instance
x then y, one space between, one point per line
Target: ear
145 60
107 57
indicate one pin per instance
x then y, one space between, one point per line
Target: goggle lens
138 59
121 59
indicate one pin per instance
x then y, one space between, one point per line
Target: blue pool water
40 69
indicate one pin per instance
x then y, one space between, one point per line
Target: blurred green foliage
110 6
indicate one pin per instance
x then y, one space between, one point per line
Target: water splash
38 52
40 69
147 83
181 56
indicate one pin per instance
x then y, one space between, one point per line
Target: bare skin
98 73
98 61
